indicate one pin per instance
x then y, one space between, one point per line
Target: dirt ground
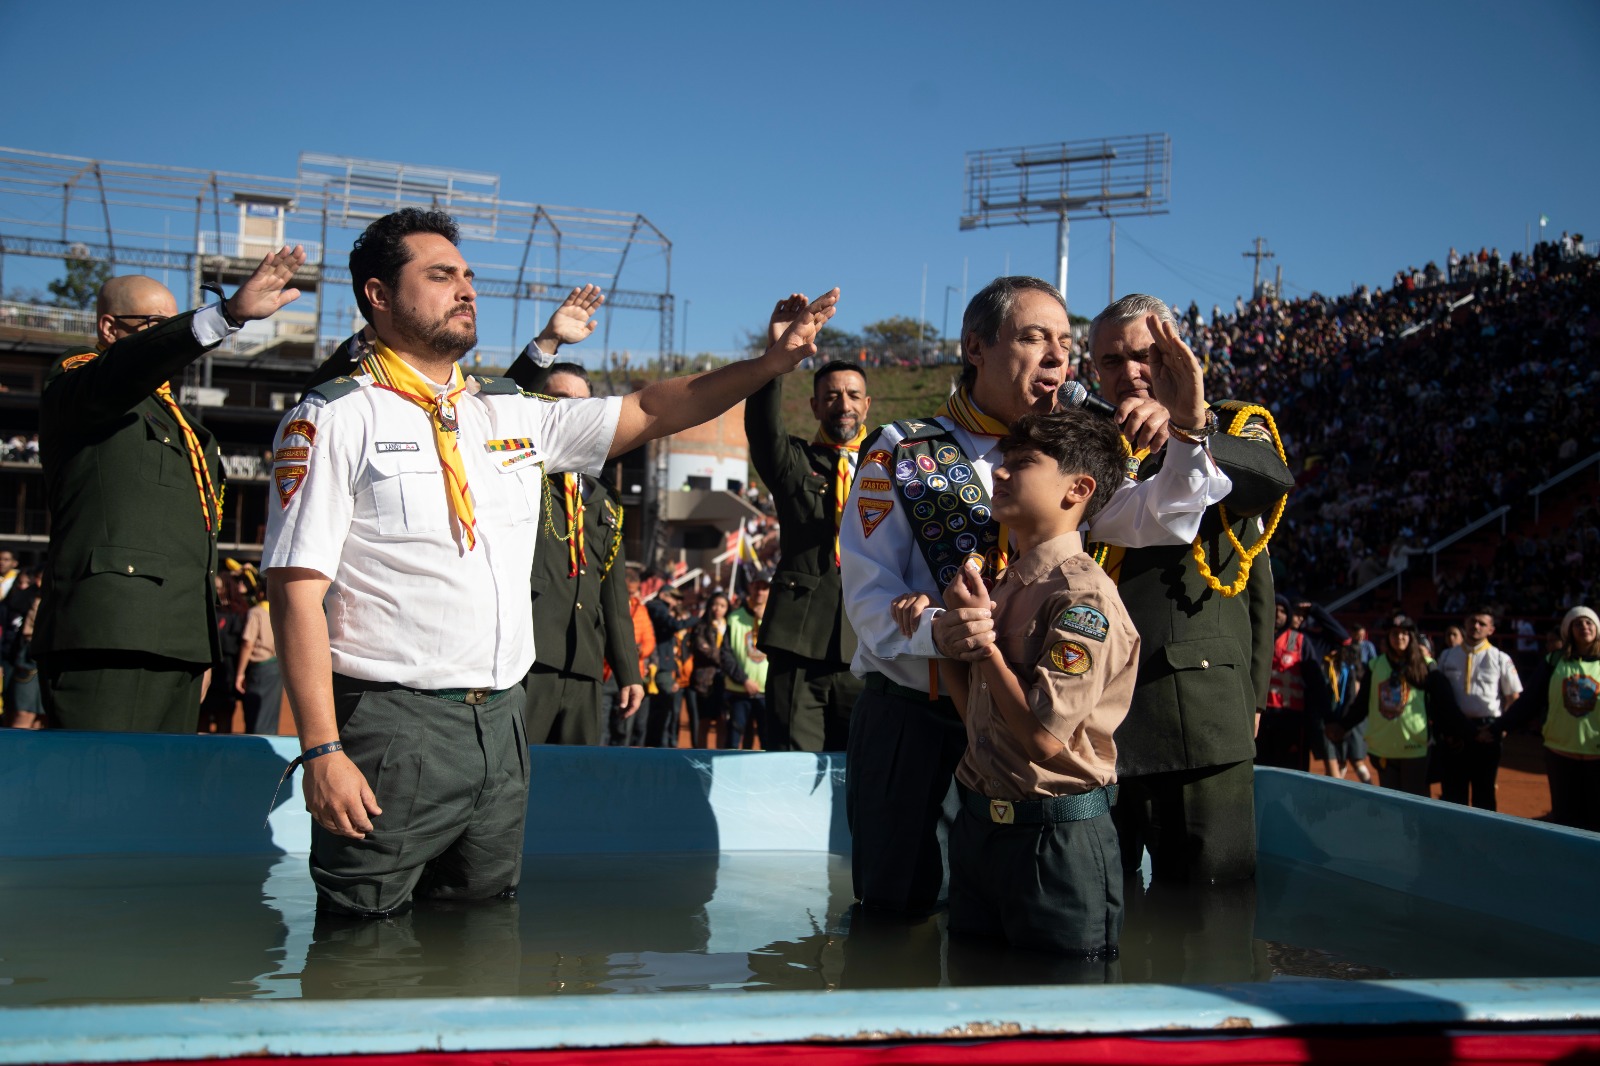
1521 789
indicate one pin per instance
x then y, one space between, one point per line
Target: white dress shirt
408 603
887 563
1494 679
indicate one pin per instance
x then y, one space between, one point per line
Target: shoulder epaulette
915 429
498 386
331 390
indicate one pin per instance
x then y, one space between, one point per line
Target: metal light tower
1103 178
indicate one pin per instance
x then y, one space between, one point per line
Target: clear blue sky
802 146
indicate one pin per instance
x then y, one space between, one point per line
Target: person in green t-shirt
1565 702
744 668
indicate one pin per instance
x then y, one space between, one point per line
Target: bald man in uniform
128 627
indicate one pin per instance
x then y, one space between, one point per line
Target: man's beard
842 430
441 338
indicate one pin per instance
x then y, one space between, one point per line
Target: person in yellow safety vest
1409 704
1565 701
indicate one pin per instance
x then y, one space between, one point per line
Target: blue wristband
321 749
288 771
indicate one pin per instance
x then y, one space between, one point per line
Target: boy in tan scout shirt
1033 854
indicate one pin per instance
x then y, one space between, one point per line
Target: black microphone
1073 394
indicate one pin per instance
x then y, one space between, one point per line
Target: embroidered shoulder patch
396 446
291 455
1081 618
1070 657
876 484
300 427
873 512
73 362
881 457
288 479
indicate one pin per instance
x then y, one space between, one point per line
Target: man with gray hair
919 507
1204 615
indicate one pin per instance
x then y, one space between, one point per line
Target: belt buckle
476 697
1002 812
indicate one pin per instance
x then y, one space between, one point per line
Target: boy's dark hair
1080 443
381 250
833 367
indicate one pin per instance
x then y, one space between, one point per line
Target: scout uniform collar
1046 557
960 409
389 371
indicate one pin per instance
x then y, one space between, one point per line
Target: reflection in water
132 929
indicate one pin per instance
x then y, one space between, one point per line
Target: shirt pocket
408 493
815 493
520 487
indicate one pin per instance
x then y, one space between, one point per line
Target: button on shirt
888 562
409 604
1067 637
1494 679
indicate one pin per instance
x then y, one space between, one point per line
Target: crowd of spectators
21 449
1410 412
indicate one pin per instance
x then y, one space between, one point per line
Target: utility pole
1258 255
1278 285
1111 297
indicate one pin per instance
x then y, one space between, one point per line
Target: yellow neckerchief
1109 556
391 372
844 473
959 408
1242 414
1466 686
572 496
210 498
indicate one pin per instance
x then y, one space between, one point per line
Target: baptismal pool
146 912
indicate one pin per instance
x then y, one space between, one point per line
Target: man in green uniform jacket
128 625
1184 752
807 638
580 596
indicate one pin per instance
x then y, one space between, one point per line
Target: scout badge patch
872 512
300 427
288 479
1081 618
73 362
1070 657
1002 812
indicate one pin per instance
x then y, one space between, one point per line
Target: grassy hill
897 392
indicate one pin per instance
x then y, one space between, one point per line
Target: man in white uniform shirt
399 565
1485 682
905 741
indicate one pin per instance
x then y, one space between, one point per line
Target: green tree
82 283
898 337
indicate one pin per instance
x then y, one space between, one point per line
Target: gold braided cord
1246 555
549 507
616 538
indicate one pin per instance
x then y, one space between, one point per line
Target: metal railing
1538 491
233 246
47 318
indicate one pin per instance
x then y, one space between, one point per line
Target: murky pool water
164 929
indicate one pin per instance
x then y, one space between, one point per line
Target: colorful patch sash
924 441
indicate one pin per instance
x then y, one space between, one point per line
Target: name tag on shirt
397 446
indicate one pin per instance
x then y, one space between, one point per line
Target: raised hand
1176 378
572 321
266 291
799 338
783 316
907 610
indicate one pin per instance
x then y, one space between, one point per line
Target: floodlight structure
215 225
1109 177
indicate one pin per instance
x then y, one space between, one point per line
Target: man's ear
1080 489
971 350
377 294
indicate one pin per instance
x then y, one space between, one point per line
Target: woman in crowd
1344 679
1408 704
1565 702
706 682
216 709
1453 637
257 680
